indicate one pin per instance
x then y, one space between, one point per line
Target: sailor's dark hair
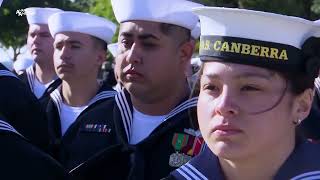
170 29
100 43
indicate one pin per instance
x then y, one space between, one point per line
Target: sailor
256 86
151 112
77 111
41 77
21 109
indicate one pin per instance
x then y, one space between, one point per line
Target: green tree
103 8
308 9
82 5
288 7
315 9
14 28
219 3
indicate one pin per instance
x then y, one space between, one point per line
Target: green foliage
220 3
287 7
103 8
14 28
82 5
315 8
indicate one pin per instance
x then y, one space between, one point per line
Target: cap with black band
256 38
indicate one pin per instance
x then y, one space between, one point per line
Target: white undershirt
39 88
68 115
143 125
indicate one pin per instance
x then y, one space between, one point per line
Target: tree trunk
16 53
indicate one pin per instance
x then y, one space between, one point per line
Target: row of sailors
248 109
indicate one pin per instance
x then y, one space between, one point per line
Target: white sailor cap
317 30
37 15
113 48
86 23
177 12
252 37
22 64
196 61
195 33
